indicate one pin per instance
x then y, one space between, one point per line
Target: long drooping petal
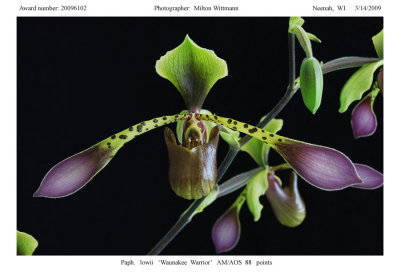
192 173
226 231
371 178
73 173
287 204
363 119
323 167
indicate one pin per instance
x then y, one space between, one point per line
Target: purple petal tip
226 231
323 167
73 173
372 179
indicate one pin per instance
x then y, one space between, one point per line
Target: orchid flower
363 120
192 173
315 164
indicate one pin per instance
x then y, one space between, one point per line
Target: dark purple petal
287 204
226 231
363 119
321 166
372 179
73 173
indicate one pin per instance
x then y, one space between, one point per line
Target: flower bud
363 119
226 231
311 83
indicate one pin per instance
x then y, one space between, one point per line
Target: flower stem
280 167
230 156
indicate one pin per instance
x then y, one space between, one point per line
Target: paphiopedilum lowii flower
363 120
192 173
194 70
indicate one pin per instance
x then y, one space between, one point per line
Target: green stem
280 167
236 183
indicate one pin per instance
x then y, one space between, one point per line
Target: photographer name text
181 8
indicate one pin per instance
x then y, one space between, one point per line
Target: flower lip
192 172
286 203
363 118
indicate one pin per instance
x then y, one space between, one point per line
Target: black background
82 79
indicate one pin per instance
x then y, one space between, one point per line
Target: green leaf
257 186
314 38
259 150
293 21
311 83
378 43
357 84
193 71
26 244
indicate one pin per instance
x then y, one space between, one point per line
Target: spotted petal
372 179
323 167
363 119
286 203
73 173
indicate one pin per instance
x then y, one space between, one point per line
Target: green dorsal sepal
116 141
